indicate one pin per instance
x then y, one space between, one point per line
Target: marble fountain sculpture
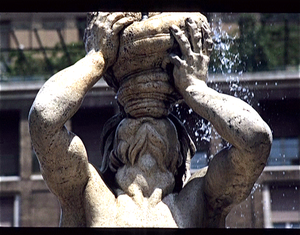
151 62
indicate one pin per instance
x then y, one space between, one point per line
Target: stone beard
144 148
147 145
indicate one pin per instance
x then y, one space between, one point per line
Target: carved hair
136 137
115 154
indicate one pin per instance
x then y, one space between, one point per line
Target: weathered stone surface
144 179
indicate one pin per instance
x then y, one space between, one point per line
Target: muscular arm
232 172
62 155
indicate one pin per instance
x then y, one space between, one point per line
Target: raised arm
61 154
233 171
57 101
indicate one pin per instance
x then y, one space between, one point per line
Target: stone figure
144 179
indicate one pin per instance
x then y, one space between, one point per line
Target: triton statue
144 181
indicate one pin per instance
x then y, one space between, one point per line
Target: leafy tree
33 63
263 42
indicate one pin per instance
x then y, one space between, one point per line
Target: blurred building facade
24 197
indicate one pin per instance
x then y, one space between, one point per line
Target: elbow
35 128
41 129
40 120
261 141
265 135
36 115
35 121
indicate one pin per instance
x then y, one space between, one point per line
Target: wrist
96 61
191 83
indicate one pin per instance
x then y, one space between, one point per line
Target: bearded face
146 136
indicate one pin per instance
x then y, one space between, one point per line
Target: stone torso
104 209
129 214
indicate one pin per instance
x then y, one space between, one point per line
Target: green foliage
60 59
262 42
23 64
249 47
33 63
269 43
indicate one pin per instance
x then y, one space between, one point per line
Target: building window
22 25
199 161
88 123
286 225
9 143
9 211
281 206
285 151
5 27
51 24
81 25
